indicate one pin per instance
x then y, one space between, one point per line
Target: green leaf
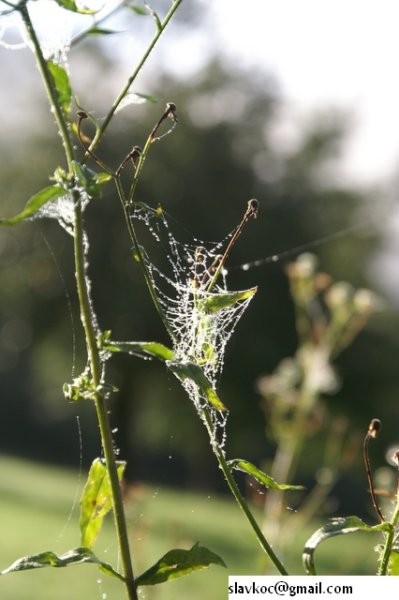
189 370
50 559
71 5
177 563
62 86
35 203
393 565
139 11
101 31
260 476
141 349
96 501
338 526
146 97
218 302
90 180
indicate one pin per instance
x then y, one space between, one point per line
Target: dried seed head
374 428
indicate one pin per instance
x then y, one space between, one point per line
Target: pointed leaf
218 302
96 501
142 349
101 31
35 203
50 559
71 5
177 563
188 370
260 476
62 86
338 526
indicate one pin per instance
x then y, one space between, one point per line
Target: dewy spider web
201 314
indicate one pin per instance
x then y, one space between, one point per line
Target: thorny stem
88 322
160 29
205 413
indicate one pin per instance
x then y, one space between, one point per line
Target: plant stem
143 60
389 541
237 494
49 85
136 247
88 320
101 410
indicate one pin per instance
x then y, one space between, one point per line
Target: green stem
101 410
139 254
125 89
49 86
389 541
88 321
238 496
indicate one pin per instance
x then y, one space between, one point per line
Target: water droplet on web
198 309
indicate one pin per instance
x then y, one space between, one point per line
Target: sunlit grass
35 508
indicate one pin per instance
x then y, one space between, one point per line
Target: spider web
201 313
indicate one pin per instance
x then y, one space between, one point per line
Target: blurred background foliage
223 152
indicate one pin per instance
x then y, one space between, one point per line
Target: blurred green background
221 154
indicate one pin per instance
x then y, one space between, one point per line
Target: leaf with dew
62 85
177 563
189 370
90 180
338 526
96 501
35 203
141 349
50 559
217 302
247 467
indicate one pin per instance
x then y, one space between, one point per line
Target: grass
39 511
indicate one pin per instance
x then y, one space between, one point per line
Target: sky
338 53
323 53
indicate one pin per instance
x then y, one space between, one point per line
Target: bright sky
327 53
324 53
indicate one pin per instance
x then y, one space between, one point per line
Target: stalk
136 246
231 482
99 400
161 26
88 321
389 539
48 84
